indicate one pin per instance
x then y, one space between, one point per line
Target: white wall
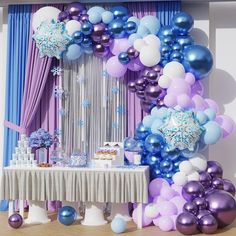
3 52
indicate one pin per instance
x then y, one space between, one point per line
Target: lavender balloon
205 179
214 169
208 224
229 187
152 92
15 221
186 223
223 207
192 189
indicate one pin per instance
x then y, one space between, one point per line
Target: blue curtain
166 10
17 48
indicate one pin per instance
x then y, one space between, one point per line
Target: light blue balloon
210 114
213 132
134 19
152 23
107 17
201 117
148 121
143 31
118 225
95 17
159 113
156 125
96 9
74 51
134 37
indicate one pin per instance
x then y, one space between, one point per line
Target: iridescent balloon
229 186
205 179
208 224
190 207
214 169
192 190
152 92
132 52
186 223
223 207
131 87
15 221
218 183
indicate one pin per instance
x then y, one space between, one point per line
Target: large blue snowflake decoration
51 39
181 130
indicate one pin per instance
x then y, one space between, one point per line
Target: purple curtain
135 113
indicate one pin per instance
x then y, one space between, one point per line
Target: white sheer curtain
95 110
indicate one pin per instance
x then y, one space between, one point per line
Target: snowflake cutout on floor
81 123
121 110
51 39
115 90
181 130
115 125
56 71
86 103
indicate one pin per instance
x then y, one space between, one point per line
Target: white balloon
43 14
152 40
164 81
186 167
72 26
139 44
194 176
151 210
199 162
180 178
149 56
174 69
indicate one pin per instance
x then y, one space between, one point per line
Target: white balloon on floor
43 14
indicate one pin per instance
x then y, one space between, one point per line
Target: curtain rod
13 2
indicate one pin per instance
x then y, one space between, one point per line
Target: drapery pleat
17 49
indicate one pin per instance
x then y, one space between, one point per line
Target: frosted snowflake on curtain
51 39
105 74
86 103
115 125
56 71
81 123
115 90
121 110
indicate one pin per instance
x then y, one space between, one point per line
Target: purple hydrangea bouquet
40 139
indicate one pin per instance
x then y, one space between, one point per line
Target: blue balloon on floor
118 225
67 215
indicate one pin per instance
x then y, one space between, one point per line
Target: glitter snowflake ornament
51 39
181 130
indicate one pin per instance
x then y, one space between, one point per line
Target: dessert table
90 185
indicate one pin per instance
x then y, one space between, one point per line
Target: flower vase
41 154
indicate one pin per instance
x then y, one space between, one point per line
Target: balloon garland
187 192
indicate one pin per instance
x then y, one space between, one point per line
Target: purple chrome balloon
131 87
214 169
186 223
202 213
200 202
106 40
98 31
223 206
192 190
229 186
15 221
152 76
146 106
84 17
218 183
205 179
100 51
208 224
152 92
75 9
141 83
157 69
132 53
140 94
190 207
63 15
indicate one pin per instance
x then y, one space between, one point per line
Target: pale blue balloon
96 9
134 19
201 117
148 120
107 17
74 51
152 23
134 37
210 114
118 225
160 113
95 17
156 125
143 31
213 132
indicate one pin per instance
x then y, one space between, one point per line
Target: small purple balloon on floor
15 221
